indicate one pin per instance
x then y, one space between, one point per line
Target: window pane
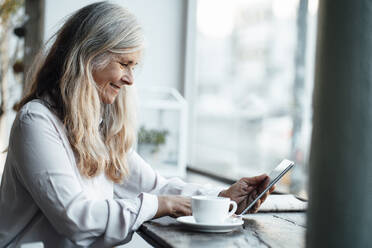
244 109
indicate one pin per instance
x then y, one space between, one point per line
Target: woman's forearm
163 208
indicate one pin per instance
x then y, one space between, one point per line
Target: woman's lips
114 86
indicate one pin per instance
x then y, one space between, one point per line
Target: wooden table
259 230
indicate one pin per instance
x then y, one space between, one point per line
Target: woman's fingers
179 206
264 184
185 207
186 202
248 189
183 211
272 189
187 211
256 206
263 198
244 186
255 180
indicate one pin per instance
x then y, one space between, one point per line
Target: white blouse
44 198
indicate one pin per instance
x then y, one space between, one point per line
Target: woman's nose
127 77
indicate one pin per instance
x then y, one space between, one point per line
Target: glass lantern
162 133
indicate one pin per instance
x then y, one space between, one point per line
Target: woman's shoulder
36 111
35 105
35 122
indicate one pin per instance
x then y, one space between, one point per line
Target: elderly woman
71 176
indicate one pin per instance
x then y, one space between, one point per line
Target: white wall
164 26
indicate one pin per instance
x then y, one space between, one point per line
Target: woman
71 177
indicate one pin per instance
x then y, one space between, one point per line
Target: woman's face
117 73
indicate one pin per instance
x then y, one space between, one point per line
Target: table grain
259 230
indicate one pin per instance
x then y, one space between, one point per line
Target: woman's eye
132 68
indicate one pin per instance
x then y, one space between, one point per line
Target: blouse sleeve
143 178
44 169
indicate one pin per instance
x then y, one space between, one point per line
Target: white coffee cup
212 209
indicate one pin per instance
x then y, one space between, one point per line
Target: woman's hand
244 191
173 205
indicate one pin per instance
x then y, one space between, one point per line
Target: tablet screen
281 168
275 176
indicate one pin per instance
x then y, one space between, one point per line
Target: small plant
153 137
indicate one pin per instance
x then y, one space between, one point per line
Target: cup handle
233 210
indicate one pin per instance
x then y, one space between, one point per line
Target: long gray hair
87 40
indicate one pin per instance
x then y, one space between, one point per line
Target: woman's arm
173 194
44 169
143 178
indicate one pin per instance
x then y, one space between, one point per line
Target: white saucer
227 226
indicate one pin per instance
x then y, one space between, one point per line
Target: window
248 112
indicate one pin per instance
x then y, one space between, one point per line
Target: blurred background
224 87
254 82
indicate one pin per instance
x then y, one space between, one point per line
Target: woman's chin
108 101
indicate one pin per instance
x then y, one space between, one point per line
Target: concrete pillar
340 206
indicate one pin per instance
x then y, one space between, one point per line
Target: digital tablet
275 176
